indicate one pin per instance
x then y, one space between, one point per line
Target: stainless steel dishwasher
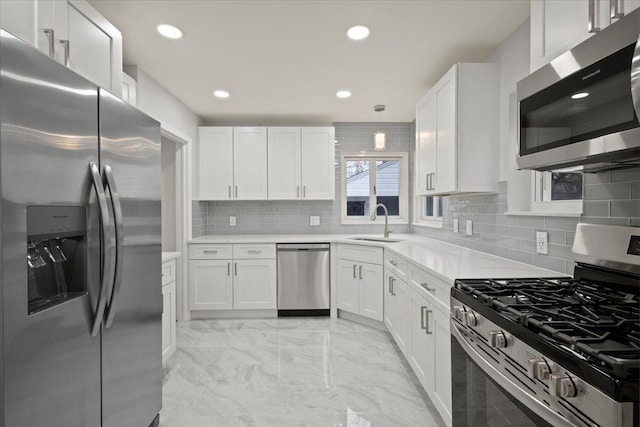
303 279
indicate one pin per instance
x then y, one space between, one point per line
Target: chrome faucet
374 215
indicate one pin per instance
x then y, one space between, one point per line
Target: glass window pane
388 186
566 186
428 211
357 172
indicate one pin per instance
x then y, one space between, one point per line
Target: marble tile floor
290 372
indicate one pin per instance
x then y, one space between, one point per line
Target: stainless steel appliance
80 298
303 278
582 108
552 352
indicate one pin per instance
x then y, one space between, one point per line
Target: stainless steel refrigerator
80 247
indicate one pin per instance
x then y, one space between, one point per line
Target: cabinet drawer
221 251
434 286
168 272
397 264
253 250
370 254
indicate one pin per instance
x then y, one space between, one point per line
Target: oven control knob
498 339
471 318
538 368
562 385
459 311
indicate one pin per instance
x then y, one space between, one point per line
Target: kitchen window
557 192
428 211
369 179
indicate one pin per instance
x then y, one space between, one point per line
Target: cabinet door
401 303
215 163
348 286
250 163
318 163
371 292
426 143
210 285
445 178
442 360
389 315
168 320
254 284
421 346
284 163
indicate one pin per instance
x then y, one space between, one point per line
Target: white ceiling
283 61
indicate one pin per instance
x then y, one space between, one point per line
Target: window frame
422 220
403 187
538 205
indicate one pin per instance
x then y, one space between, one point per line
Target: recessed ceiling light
221 94
358 32
343 94
169 31
579 95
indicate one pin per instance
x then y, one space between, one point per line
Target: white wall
513 57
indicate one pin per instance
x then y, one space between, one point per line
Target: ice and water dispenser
56 255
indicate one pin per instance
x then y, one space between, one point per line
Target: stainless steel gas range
552 352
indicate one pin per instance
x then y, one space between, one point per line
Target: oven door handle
524 397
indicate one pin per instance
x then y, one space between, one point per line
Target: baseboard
233 314
362 320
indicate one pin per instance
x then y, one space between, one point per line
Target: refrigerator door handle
119 228
107 248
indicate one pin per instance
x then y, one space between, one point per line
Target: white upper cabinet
215 163
301 163
318 163
250 163
457 131
73 33
559 25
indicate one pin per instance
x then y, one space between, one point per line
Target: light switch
469 230
232 221
314 220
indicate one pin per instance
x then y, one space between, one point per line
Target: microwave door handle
635 79
107 248
119 228
538 407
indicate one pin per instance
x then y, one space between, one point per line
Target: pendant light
379 138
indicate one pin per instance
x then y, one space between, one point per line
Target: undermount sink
376 239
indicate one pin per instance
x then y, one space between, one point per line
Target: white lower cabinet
359 274
246 281
395 309
168 309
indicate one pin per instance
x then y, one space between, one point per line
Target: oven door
484 397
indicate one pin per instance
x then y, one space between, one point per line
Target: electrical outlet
469 230
542 242
314 220
232 221
456 225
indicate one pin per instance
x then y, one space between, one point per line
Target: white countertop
167 256
447 261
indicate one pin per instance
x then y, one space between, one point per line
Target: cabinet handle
360 273
392 262
254 251
393 286
617 9
50 38
423 317
426 286
593 24
426 329
235 268
390 284
298 191
65 43
354 271
236 191
304 191
374 190
228 269
210 252
229 192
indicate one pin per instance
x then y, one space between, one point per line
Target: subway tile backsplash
609 198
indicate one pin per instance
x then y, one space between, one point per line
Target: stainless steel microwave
582 108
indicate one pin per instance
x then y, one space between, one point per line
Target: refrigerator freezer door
132 332
49 128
